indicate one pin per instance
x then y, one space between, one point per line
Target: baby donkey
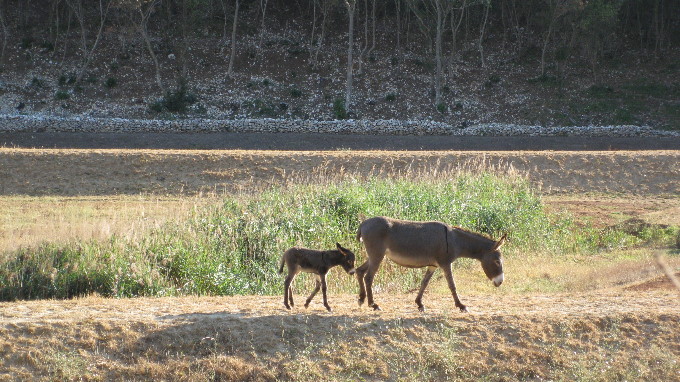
317 262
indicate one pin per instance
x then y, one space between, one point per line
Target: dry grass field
619 320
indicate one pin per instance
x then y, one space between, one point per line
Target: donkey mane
475 234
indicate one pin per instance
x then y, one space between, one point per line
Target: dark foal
317 262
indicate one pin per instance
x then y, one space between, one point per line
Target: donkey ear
500 242
342 250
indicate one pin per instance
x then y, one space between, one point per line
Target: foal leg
452 286
423 285
323 291
314 292
360 273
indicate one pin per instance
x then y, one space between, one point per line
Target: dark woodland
549 62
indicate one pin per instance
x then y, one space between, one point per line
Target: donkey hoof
375 307
328 308
287 307
361 301
421 308
306 305
463 309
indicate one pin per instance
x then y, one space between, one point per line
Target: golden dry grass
30 221
602 336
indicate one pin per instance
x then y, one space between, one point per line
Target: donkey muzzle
498 280
352 271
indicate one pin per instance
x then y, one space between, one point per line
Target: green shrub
37 82
61 95
111 82
175 101
339 109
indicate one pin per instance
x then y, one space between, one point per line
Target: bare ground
105 172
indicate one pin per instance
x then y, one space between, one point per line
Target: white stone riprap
46 123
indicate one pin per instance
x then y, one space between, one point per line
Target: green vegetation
175 101
111 82
61 95
339 109
234 248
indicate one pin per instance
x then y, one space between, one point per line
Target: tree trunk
546 40
438 53
454 33
143 21
351 5
263 8
324 10
77 9
233 41
68 29
103 13
398 27
372 30
481 32
311 38
223 41
5 33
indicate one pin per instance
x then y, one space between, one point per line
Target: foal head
347 261
492 263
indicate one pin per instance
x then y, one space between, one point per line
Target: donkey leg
290 294
423 285
452 286
372 270
323 291
314 292
360 273
287 292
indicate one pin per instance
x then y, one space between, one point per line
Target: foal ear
500 242
342 250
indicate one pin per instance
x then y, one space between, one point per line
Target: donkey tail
359 238
283 262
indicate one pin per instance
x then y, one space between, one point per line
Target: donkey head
347 261
492 263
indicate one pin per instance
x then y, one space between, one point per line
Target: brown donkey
317 262
423 244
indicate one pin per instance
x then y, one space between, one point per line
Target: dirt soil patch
106 172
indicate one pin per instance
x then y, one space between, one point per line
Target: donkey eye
498 263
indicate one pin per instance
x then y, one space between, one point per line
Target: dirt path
317 142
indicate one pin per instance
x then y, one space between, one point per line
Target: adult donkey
430 244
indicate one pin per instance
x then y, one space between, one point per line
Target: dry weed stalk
667 270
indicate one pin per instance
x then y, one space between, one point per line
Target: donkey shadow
261 336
